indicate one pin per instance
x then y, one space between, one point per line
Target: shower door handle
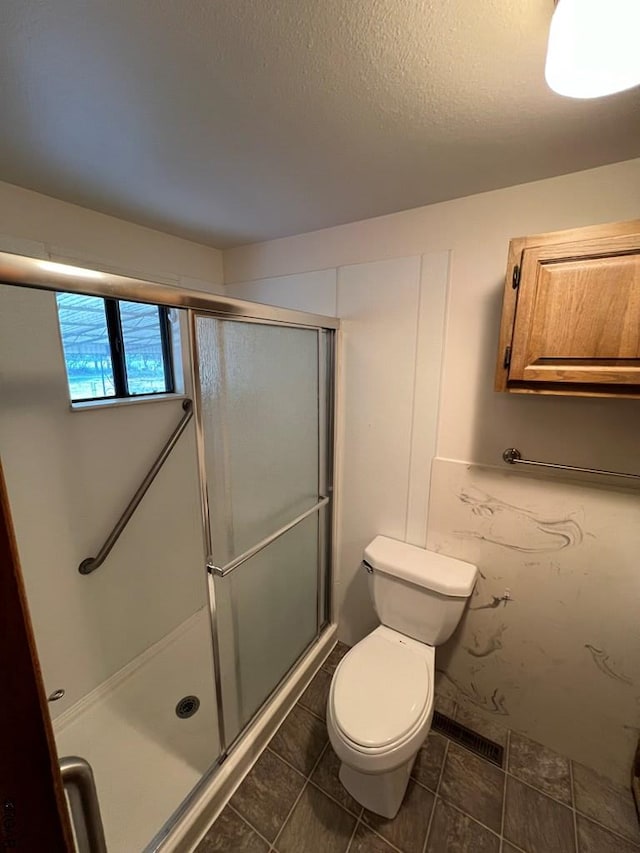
77 778
223 571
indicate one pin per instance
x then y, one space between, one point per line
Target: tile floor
293 802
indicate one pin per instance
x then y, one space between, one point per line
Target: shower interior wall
127 642
70 473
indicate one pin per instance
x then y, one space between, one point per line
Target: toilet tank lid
418 566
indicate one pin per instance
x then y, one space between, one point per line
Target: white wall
475 425
39 226
70 474
392 318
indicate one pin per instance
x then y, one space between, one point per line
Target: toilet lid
380 691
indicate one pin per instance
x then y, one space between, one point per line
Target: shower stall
176 548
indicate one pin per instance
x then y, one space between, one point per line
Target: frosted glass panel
259 387
267 611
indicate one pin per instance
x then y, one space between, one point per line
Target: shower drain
187 707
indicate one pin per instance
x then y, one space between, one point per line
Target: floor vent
471 740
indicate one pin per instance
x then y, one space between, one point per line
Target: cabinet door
578 314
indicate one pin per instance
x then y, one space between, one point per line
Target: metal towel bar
90 564
77 778
513 457
223 571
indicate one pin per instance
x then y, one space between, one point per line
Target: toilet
380 702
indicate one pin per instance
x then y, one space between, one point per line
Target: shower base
157 775
144 758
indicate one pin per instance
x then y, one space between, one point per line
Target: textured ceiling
231 121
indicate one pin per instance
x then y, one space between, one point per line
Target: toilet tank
417 592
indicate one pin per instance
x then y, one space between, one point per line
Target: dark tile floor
293 802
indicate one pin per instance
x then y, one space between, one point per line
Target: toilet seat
367 727
380 691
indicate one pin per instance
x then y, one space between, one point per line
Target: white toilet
381 699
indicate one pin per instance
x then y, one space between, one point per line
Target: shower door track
42 274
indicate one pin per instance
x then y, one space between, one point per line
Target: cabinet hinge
515 281
507 358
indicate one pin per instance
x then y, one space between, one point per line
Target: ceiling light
594 47
65 269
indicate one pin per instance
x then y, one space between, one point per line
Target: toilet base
381 793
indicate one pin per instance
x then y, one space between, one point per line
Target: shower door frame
326 376
26 744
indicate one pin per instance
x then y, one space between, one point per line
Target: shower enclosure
170 639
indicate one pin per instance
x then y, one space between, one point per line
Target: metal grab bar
513 457
90 564
222 571
77 777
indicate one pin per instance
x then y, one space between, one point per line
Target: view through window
114 349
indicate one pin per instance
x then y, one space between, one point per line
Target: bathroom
546 651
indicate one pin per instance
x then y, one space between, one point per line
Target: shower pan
170 654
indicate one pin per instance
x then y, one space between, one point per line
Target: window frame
117 350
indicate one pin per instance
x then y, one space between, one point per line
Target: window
114 349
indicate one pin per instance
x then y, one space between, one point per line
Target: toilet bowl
381 698
378 715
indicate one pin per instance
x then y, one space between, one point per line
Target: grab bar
90 564
77 778
513 457
223 571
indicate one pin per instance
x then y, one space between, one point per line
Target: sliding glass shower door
263 419
156 651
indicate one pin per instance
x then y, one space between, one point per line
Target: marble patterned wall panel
550 642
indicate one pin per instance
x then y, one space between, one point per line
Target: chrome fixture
56 695
223 571
90 564
77 778
512 456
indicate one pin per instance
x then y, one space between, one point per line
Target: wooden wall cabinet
571 313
